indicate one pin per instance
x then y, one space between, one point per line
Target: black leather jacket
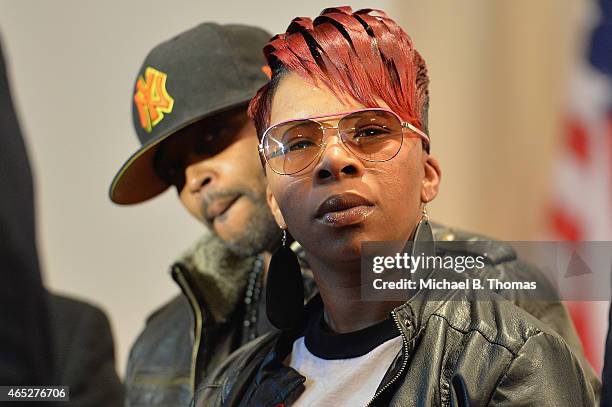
162 363
188 337
456 352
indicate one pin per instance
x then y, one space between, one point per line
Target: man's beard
259 233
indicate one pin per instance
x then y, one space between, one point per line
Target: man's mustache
221 194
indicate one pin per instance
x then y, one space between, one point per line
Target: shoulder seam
485 336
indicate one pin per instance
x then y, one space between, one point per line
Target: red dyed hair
362 54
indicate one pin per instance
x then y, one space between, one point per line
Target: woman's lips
344 209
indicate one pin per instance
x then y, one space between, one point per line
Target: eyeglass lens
373 135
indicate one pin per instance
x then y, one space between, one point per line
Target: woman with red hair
345 146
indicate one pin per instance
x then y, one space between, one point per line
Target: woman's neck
340 288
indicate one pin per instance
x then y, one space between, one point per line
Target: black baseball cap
201 72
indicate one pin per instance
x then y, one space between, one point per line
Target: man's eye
202 144
171 172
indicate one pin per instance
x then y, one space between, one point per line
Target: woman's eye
299 145
370 131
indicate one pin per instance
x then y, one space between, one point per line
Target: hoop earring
284 288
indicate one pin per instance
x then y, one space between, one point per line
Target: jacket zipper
198 323
404 362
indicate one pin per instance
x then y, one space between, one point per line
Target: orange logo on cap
151 98
267 71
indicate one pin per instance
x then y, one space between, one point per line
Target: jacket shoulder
503 264
174 314
547 374
84 351
176 305
73 322
72 308
497 320
166 331
453 240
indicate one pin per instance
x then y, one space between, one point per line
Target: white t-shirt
337 380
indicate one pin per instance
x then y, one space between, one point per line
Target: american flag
582 199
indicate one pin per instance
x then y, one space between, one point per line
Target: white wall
72 65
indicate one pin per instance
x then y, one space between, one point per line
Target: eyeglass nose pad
341 143
326 143
322 148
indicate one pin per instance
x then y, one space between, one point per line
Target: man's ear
431 181
274 208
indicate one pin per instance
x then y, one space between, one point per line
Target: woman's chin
338 249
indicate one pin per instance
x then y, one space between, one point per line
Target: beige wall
498 73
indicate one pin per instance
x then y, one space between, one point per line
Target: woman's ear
274 208
431 181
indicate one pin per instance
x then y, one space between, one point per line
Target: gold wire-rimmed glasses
373 134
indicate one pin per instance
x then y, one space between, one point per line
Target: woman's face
340 200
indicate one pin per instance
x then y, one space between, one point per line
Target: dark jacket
456 352
25 348
187 338
84 353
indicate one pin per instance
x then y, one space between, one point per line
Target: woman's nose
337 161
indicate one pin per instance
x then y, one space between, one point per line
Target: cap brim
137 181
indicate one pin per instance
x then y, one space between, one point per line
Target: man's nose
199 175
337 161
